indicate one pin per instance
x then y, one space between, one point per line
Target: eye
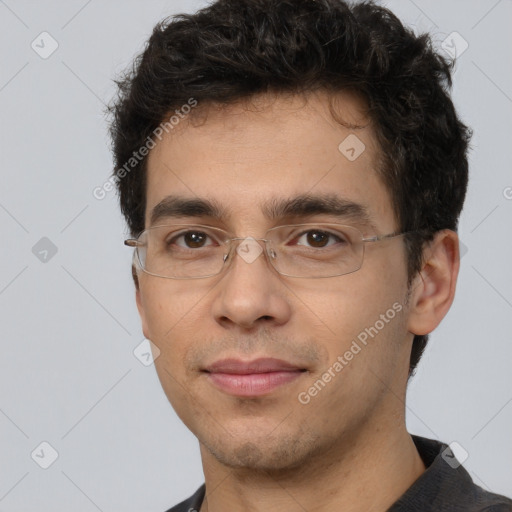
189 239
318 238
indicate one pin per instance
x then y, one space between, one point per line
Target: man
292 173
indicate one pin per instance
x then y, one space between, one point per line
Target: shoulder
501 504
490 502
446 485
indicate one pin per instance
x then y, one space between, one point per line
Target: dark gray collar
443 487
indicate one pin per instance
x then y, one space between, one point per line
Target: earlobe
433 290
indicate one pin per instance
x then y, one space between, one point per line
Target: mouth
253 378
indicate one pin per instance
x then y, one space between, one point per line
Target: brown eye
194 239
189 240
318 239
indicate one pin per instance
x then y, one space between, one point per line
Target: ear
139 302
433 289
135 277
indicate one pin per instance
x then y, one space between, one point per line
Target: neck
367 472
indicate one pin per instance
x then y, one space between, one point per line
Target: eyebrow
298 207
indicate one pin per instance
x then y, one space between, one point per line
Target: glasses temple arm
378 238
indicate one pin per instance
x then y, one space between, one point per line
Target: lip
260 365
251 378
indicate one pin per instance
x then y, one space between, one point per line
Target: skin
350 440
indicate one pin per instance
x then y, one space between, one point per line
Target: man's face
242 159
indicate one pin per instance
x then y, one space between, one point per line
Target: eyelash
300 235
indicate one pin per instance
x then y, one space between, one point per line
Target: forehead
270 148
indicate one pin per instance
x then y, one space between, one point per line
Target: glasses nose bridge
248 238
240 239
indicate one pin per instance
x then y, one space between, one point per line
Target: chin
265 454
254 457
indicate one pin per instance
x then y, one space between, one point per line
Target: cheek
167 303
345 306
363 314
172 312
172 315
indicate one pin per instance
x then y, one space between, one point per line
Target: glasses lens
316 250
303 250
182 251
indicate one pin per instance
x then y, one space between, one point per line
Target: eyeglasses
186 251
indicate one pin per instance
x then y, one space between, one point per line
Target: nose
251 291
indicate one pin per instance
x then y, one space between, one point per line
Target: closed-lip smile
251 378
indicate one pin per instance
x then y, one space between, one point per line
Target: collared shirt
445 486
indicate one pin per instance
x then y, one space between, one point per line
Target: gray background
68 374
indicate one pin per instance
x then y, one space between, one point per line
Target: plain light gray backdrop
68 373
